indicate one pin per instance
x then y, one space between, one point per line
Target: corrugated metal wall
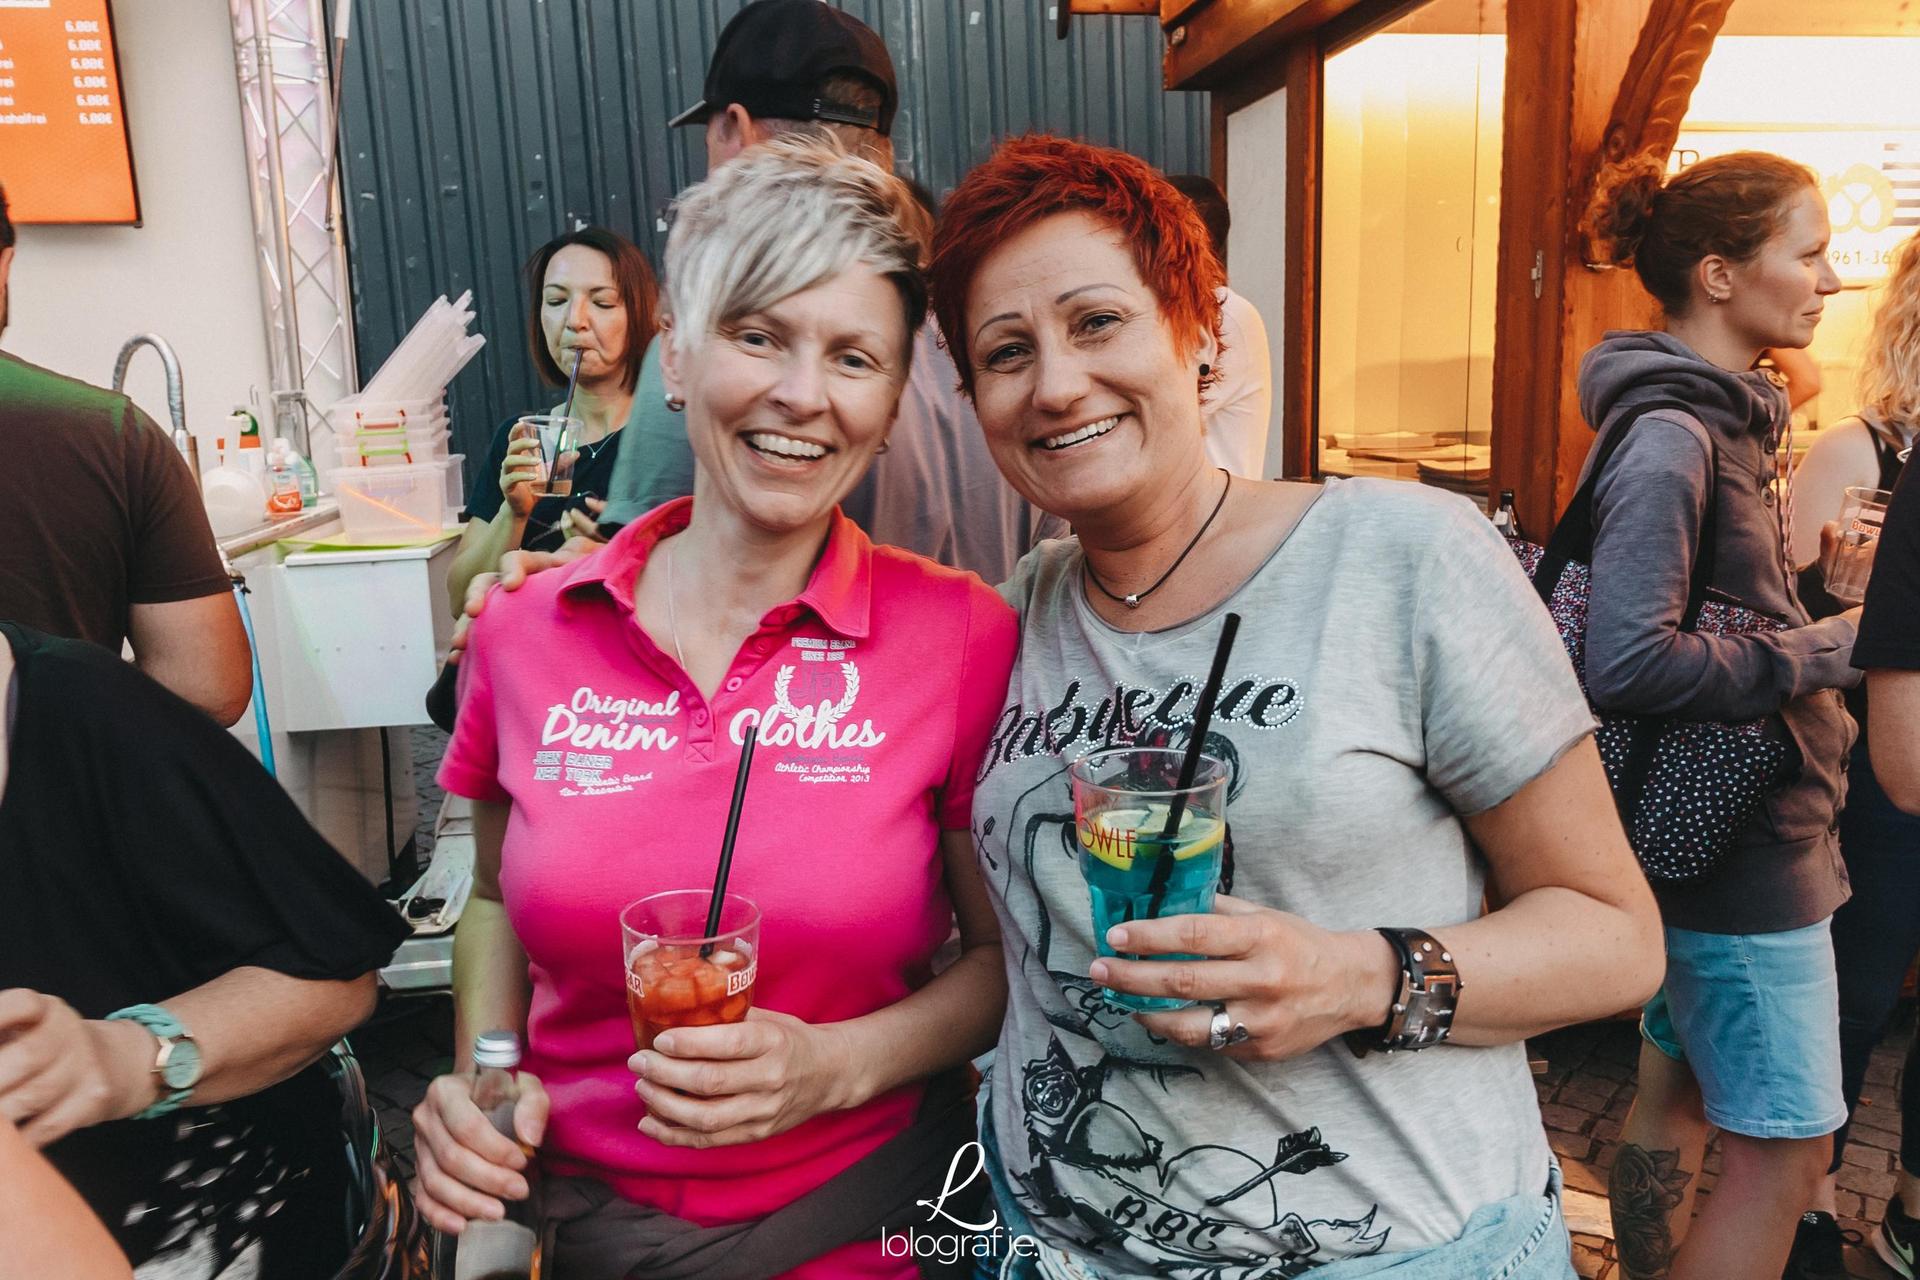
475 130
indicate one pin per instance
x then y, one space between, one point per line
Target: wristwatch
1422 1012
177 1065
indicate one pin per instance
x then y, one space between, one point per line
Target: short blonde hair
1890 375
782 217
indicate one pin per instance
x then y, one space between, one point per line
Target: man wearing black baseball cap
783 65
786 66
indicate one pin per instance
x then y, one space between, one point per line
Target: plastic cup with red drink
681 974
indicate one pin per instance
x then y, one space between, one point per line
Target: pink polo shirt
874 690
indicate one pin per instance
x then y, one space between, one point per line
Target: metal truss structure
287 115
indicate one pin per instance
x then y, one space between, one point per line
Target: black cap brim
695 114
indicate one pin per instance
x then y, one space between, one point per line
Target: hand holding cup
720 1085
521 470
1292 984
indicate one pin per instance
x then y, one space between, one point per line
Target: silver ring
1220 1030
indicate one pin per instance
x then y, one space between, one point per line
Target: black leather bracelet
1421 1014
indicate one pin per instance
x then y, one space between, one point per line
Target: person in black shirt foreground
158 880
1889 646
1888 650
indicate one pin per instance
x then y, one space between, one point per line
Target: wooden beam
1673 46
1594 301
1535 148
1213 44
1063 14
1300 366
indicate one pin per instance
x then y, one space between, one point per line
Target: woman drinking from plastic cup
1405 737
590 308
604 710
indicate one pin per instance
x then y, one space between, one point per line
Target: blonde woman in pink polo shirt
601 721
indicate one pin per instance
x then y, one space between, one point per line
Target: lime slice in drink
1199 833
1118 836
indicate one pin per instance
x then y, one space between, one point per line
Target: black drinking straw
573 384
566 415
726 841
1202 721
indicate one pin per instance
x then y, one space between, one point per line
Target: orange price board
64 153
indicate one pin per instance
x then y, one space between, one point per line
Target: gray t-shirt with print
1394 671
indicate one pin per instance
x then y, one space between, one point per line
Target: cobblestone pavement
427 746
1584 1096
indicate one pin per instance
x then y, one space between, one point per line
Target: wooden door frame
1588 89
1585 80
1529 331
1299 67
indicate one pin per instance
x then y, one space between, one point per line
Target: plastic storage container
348 414
405 502
390 448
389 432
456 484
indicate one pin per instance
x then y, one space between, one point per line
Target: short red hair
1034 177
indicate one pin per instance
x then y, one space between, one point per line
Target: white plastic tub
403 503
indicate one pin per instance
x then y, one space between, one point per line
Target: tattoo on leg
1644 1190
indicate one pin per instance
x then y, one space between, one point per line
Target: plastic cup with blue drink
1123 802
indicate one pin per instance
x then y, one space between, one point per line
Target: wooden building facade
1408 178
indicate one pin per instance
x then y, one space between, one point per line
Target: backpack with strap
1685 788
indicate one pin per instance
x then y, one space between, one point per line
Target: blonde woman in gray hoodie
1743 1035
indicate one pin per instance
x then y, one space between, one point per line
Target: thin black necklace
1133 601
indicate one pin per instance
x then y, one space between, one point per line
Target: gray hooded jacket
1649 506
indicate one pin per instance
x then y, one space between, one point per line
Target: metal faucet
176 391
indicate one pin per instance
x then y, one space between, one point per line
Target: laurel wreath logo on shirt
849 673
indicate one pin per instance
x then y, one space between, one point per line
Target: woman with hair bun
1743 1035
